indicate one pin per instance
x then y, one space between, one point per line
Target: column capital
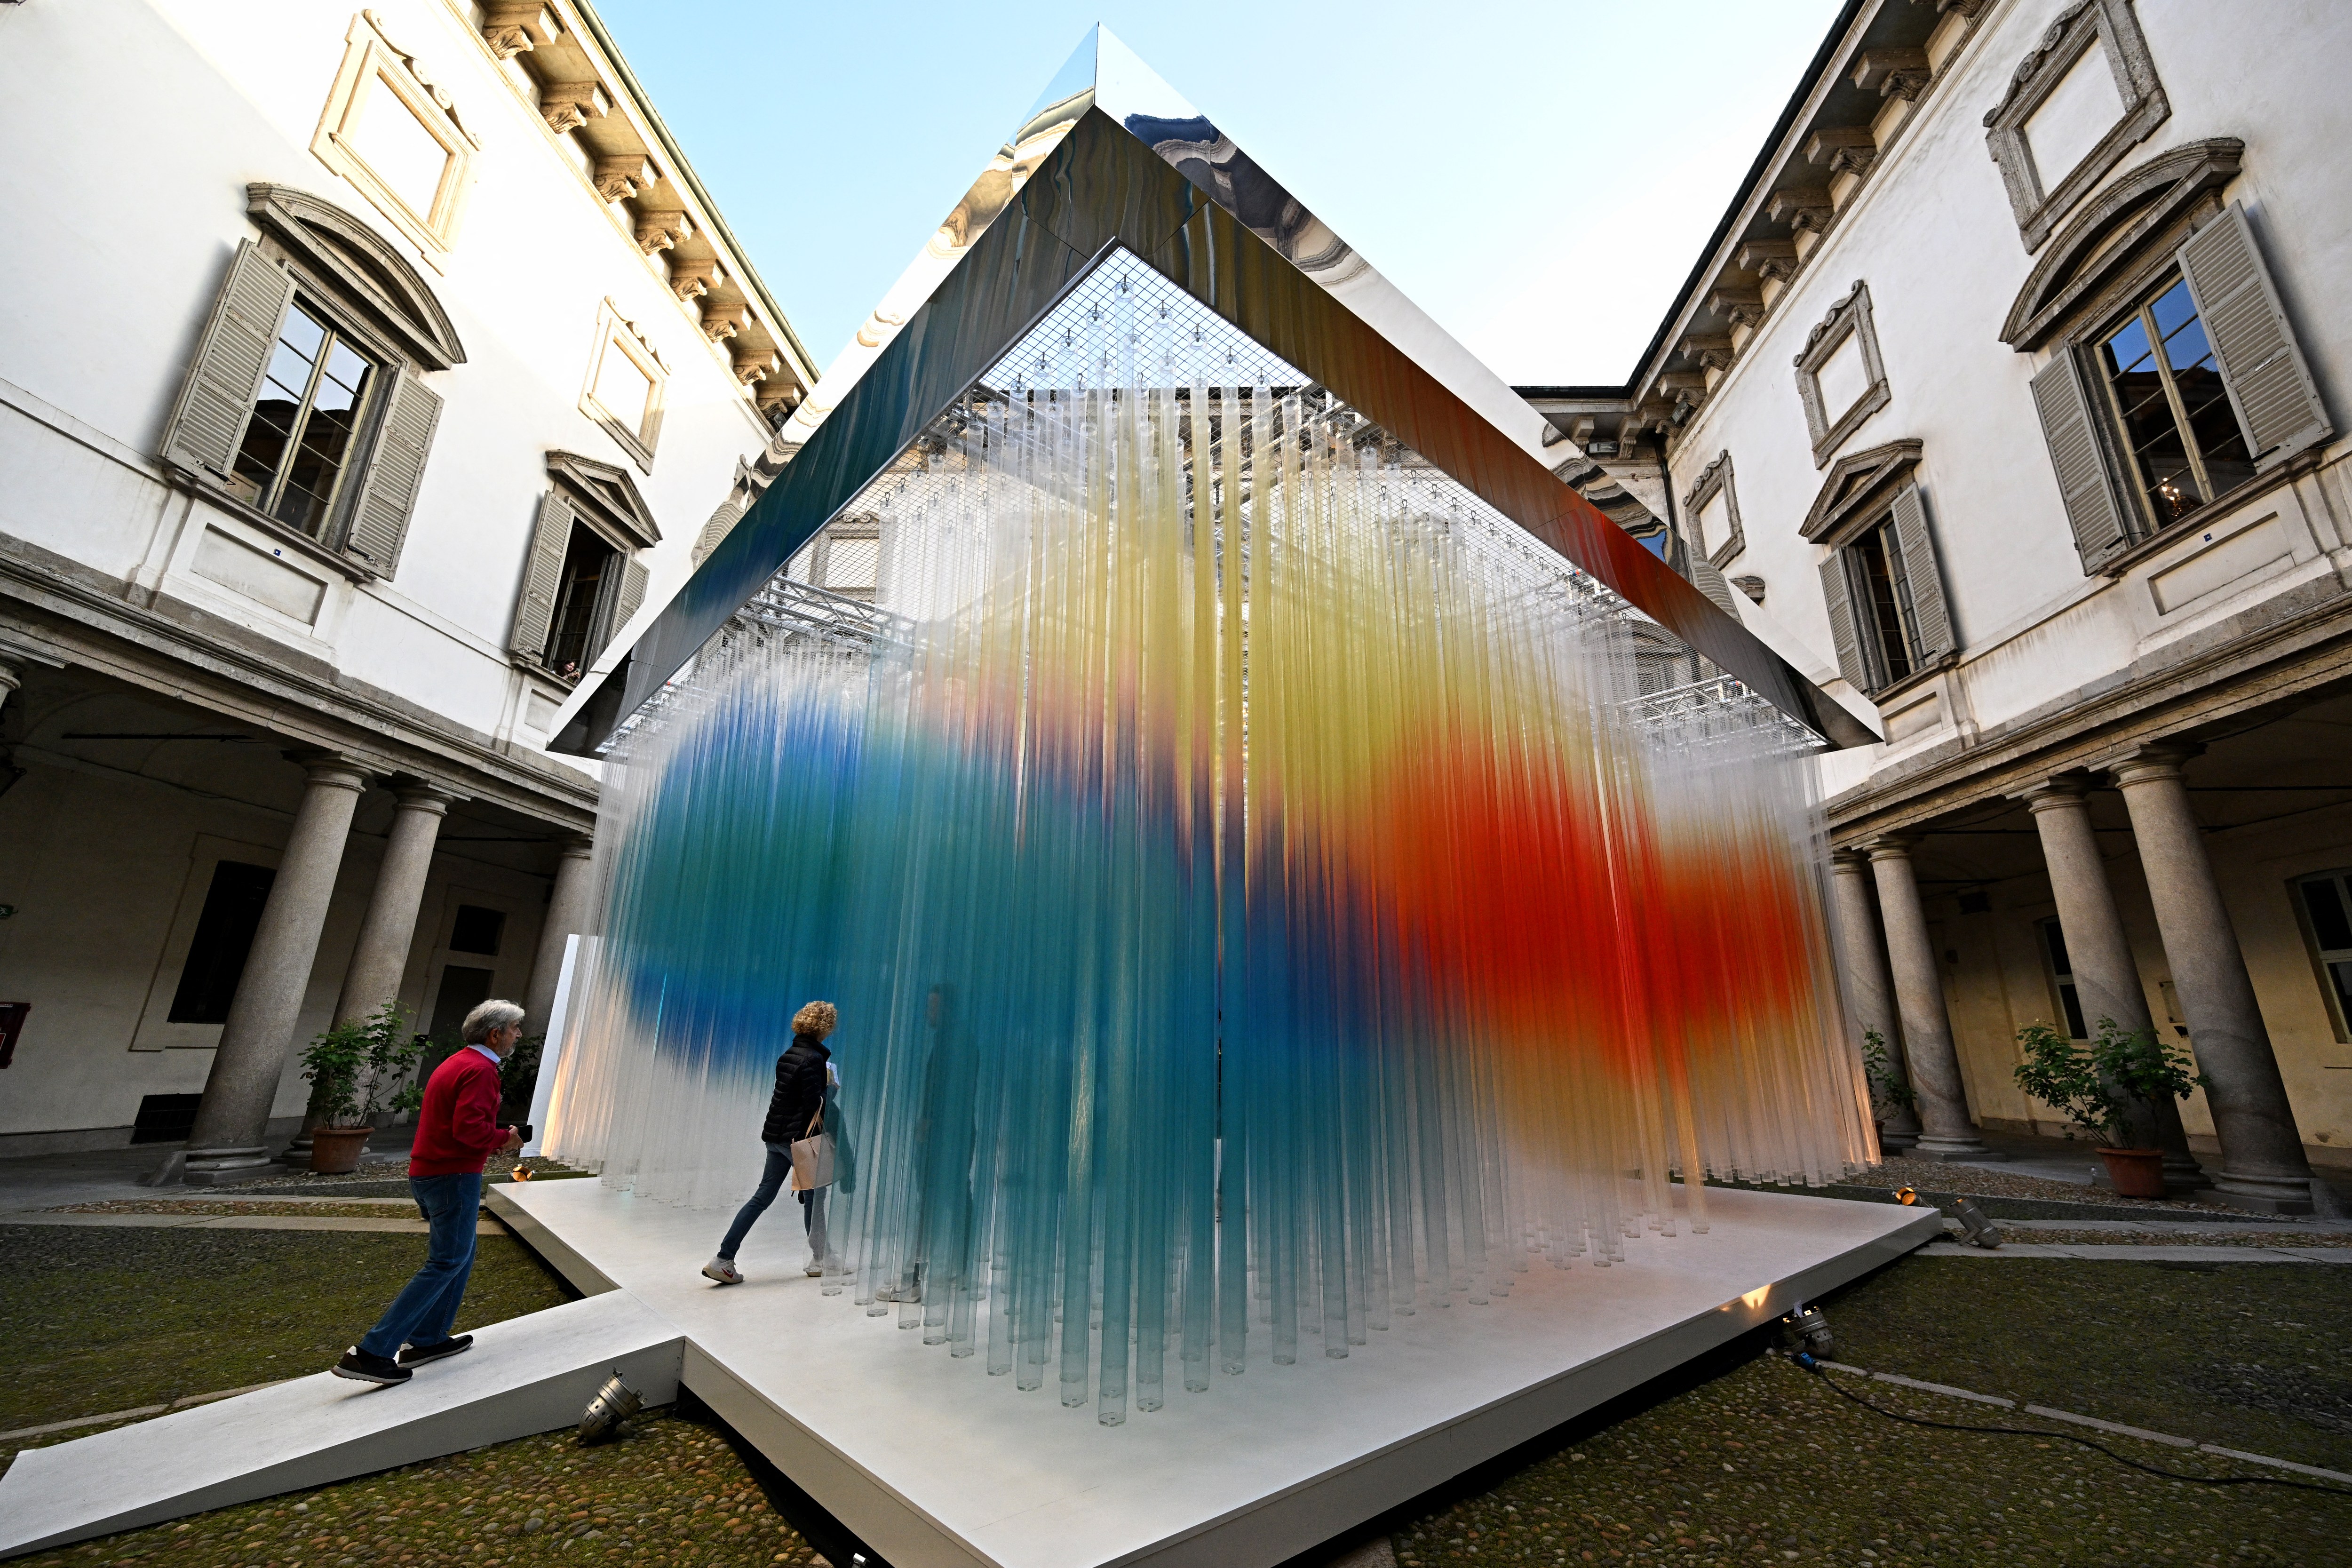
2148 764
334 770
423 794
2059 792
1892 846
1849 860
578 847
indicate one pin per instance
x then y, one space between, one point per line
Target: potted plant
1891 1094
2110 1089
360 1069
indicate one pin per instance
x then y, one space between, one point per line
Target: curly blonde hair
816 1018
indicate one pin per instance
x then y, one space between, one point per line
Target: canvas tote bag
813 1156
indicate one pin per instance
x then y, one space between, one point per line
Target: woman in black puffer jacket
793 1112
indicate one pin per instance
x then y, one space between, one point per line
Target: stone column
11 678
381 953
2262 1163
234 1116
1867 988
2107 980
567 914
1934 1063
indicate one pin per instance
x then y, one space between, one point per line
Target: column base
1965 1151
1897 1143
210 1167
2182 1173
2265 1195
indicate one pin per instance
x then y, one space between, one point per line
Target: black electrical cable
1815 1367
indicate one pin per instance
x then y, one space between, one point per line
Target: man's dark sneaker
417 1355
362 1367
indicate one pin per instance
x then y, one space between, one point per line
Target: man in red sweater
456 1130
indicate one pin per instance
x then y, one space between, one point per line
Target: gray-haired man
456 1130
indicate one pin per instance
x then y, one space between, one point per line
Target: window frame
1849 318
2115 25
1715 479
2126 466
1868 633
615 330
350 474
2339 1017
2065 991
371 60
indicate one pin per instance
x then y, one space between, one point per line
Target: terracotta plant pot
336 1151
2136 1172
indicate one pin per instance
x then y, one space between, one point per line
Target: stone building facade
2003 400
380 365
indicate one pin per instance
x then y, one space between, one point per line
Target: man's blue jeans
424 1313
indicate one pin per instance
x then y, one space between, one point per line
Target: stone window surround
1848 317
371 59
615 330
1837 516
1715 479
2114 27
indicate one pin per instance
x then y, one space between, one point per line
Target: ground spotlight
1807 1330
607 1414
1981 1231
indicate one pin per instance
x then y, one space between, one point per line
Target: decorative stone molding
512 29
363 267
1714 480
1740 306
1972 9
693 279
1712 352
1849 318
751 370
605 495
662 230
616 334
2145 212
1857 489
373 63
2114 27
721 323
1846 148
1893 73
620 175
1773 259
1801 207
1751 585
569 105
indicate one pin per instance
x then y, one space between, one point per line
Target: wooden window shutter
396 470
1842 629
1923 581
632 595
2085 487
542 578
2269 384
217 402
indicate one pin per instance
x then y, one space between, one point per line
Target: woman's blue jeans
771 1182
426 1309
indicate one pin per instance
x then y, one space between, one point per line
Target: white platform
527 1374
933 1462
937 1464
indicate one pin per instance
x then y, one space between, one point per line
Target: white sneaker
719 1269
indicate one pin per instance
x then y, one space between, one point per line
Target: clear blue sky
1539 178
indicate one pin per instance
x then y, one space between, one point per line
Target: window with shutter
633 594
380 520
208 424
1842 629
1930 615
542 578
2084 487
2269 385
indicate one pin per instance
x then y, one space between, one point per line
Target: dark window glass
232 913
1884 611
166 1118
2062 974
304 423
2177 424
2325 899
477 930
585 590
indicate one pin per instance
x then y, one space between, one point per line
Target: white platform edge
525 1375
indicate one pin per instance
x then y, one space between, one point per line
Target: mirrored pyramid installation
1280 861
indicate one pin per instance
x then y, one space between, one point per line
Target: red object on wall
12 1024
